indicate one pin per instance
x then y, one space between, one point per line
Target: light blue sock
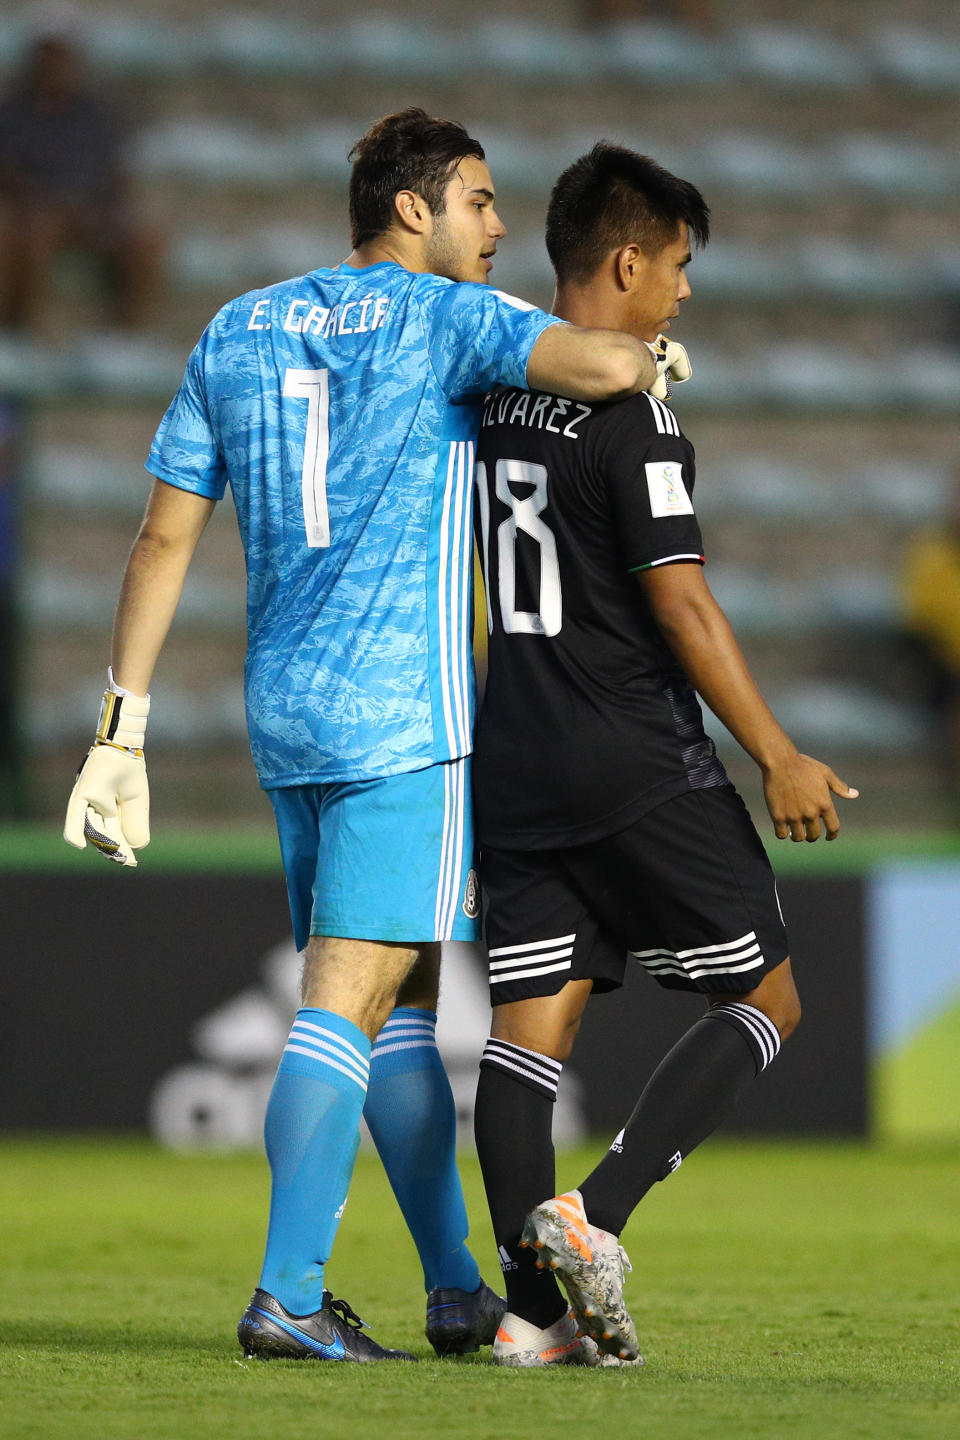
413 1121
312 1132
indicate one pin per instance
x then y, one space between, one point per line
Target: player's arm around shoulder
798 789
110 805
587 364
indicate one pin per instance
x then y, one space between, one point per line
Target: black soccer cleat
459 1322
269 1332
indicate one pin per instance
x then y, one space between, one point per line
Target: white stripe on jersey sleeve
512 300
664 416
669 560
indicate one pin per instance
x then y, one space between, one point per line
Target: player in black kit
607 822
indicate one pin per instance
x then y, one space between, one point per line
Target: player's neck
388 248
584 305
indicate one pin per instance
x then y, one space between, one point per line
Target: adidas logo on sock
505 1261
618 1144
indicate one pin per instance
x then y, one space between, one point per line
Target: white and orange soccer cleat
521 1344
589 1263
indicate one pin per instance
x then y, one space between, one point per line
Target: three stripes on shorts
731 957
535 958
555 954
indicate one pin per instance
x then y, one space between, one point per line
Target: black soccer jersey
587 720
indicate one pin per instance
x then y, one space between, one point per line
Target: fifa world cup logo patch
471 896
668 493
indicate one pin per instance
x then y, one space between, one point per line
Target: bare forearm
617 359
153 582
707 648
798 789
587 365
149 595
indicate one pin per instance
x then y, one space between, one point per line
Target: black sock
692 1090
512 1122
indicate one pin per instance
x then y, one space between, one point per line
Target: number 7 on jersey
314 387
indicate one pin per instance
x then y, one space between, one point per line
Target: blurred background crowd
156 160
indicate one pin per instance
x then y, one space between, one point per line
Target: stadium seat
834 717
72 478
657 53
792 57
526 49
922 59
218 153
276 47
896 167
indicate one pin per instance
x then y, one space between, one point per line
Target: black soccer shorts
687 890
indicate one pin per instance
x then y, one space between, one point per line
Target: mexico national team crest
471 896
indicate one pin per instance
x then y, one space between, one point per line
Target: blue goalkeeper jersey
341 407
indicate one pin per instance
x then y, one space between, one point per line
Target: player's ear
412 210
629 263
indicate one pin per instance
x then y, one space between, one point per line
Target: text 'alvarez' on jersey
342 409
587 720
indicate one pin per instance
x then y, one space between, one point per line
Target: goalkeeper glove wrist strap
123 720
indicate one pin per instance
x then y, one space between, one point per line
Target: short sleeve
478 337
185 451
650 471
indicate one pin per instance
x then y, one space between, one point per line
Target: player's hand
799 794
673 365
110 802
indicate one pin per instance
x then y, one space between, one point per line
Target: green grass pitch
779 1291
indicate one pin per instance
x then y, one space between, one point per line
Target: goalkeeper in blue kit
341 407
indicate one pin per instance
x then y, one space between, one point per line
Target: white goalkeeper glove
110 803
672 365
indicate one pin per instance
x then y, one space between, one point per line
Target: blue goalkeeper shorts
390 859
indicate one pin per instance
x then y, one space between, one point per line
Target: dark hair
615 197
410 150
